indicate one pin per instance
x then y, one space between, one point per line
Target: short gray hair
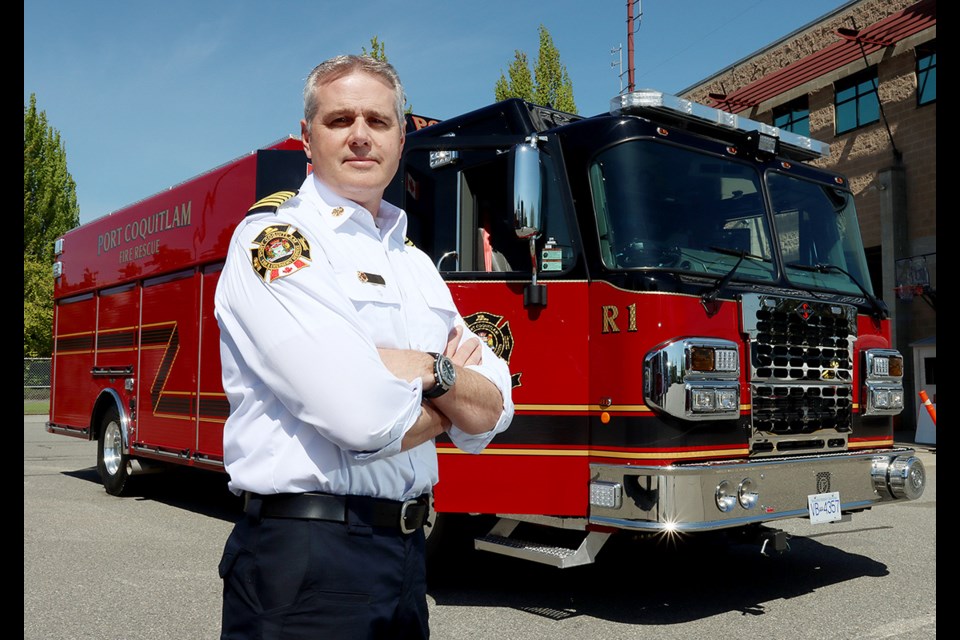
339 66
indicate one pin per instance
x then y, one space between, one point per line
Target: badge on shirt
280 251
371 278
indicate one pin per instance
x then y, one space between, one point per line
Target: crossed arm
474 403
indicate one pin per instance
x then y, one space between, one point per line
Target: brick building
863 79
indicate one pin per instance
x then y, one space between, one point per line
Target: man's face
354 141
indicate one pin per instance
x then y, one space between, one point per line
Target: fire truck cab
685 305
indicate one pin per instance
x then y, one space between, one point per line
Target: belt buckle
403 517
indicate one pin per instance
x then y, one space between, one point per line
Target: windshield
670 207
818 234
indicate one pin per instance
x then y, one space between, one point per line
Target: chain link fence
36 386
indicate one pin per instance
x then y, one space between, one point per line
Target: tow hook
773 541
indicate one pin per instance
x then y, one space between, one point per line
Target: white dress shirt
306 296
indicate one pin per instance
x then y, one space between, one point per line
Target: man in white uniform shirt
343 358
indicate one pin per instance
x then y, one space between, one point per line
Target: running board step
498 541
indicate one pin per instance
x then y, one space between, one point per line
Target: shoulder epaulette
271 203
408 242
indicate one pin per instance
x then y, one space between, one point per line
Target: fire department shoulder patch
492 329
278 252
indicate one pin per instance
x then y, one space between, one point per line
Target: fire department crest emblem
279 252
496 332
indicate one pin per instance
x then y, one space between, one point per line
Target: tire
113 461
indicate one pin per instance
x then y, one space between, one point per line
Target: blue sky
148 94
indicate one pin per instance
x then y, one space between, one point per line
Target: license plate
824 507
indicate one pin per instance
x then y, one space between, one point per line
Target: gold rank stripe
273 200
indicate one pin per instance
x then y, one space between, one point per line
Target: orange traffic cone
932 410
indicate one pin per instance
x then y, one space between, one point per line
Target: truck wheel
113 463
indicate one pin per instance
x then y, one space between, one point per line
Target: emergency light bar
656 102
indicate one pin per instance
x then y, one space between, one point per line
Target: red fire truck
681 294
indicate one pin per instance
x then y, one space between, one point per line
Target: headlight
713 400
712 358
883 399
694 379
885 366
883 382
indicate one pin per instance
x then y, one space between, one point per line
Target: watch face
448 375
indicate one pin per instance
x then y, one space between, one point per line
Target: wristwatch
444 373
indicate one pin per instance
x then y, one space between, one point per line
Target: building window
793 116
927 73
856 103
930 371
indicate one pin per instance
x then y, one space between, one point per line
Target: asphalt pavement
144 567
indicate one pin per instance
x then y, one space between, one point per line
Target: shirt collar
335 210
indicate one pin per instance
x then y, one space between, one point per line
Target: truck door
167 380
461 214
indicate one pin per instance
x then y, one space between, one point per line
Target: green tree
49 210
520 82
378 52
37 308
549 84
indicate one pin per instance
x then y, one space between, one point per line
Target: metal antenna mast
633 24
618 64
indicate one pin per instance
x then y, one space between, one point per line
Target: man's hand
462 354
429 425
473 404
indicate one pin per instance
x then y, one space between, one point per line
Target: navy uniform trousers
292 579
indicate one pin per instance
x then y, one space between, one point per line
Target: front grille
794 409
801 364
788 347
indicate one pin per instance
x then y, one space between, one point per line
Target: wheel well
104 404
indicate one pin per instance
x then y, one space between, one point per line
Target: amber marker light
701 358
710 359
896 367
605 417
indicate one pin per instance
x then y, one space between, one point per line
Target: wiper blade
709 298
738 253
879 308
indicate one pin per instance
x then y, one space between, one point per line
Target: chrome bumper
685 497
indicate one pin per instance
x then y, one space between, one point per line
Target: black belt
375 512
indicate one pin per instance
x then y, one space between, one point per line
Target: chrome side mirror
527 204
